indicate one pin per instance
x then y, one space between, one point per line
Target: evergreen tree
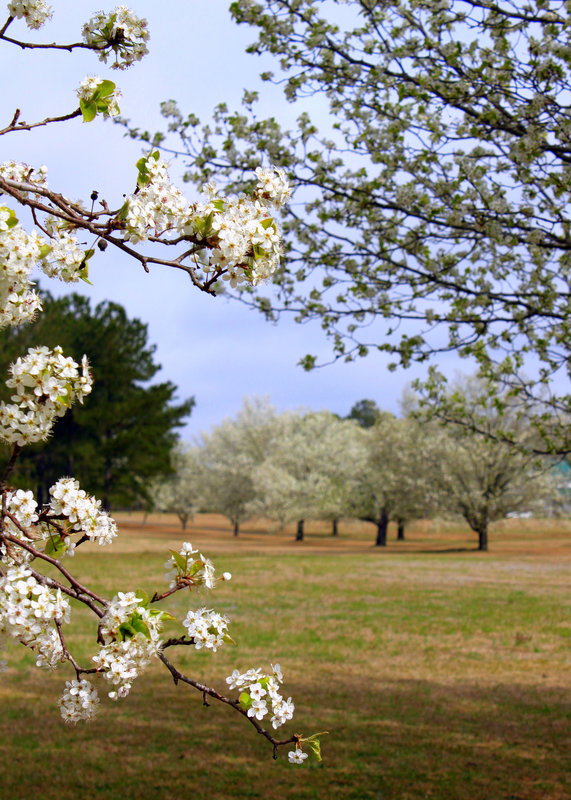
124 436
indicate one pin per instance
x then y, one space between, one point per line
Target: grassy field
440 672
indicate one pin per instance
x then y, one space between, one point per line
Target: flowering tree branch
219 238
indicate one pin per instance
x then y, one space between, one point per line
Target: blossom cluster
241 238
207 628
157 206
28 610
19 252
244 237
70 505
259 689
59 255
98 95
131 634
33 12
46 383
120 31
188 567
21 506
79 701
82 511
24 173
64 258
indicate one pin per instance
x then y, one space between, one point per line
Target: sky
214 349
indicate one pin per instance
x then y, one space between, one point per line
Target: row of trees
373 466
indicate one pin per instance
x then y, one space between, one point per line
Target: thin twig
178 676
25 126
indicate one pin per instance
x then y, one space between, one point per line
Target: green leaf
164 615
204 225
267 223
12 218
88 110
179 560
55 546
141 165
196 567
245 700
314 743
227 638
144 597
315 747
105 89
140 626
126 631
45 250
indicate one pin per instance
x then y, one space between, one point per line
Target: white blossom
79 701
262 690
120 31
206 627
33 12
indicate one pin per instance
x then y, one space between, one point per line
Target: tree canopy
431 202
124 436
482 478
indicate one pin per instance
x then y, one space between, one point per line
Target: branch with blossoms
35 608
219 238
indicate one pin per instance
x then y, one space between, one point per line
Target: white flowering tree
482 478
432 166
219 238
397 479
308 473
181 492
228 456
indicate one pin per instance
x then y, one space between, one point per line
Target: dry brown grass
440 672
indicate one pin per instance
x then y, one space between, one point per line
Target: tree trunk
400 530
184 519
236 527
483 537
335 528
382 525
299 532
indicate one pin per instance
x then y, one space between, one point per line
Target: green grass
439 675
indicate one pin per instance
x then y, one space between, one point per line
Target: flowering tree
483 478
435 191
397 479
228 457
308 472
180 493
234 239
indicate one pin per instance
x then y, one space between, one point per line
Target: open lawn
439 671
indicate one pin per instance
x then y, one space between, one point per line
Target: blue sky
212 348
